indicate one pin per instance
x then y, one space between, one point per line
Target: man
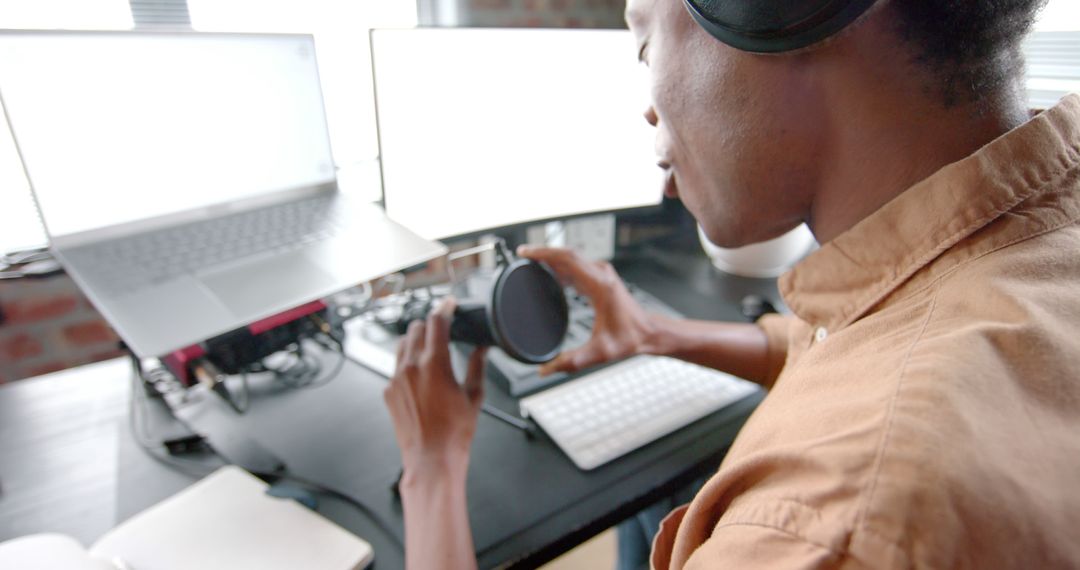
924 404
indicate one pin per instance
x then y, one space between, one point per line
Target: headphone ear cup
528 314
772 26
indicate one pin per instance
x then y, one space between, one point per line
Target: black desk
527 502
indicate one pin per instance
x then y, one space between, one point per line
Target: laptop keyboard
135 262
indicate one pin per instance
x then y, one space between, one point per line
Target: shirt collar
846 277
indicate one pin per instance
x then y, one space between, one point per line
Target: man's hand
622 327
434 417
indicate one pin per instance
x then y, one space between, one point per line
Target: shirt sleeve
776 328
754 546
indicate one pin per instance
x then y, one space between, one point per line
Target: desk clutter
528 501
227 520
595 416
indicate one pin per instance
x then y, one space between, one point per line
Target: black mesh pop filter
528 313
525 314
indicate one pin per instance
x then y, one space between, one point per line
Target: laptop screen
118 127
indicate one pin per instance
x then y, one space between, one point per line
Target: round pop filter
528 314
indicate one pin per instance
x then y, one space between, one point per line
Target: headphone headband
773 26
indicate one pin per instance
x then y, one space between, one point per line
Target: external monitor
487 128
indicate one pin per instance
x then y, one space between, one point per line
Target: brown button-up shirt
925 406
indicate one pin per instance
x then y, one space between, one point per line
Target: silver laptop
186 180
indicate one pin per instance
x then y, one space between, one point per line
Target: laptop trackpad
274 283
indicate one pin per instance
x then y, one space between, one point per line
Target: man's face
735 133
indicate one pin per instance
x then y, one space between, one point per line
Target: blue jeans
635 534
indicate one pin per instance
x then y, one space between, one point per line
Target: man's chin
725 237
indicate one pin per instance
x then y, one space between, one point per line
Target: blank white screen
116 127
484 128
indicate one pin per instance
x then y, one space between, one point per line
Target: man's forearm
437 533
736 348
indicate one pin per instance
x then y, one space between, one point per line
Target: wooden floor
598 553
58 472
58 454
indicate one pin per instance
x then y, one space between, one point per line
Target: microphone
525 313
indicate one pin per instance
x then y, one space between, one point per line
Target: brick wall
541 13
48 325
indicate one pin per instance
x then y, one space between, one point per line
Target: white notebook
224 521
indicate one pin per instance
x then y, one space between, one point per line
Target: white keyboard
601 416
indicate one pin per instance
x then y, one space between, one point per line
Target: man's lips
670 189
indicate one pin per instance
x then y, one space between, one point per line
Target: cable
320 488
304 371
398 280
32 263
296 371
241 404
140 432
210 376
339 347
26 256
199 469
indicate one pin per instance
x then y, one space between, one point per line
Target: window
20 226
1053 54
66 14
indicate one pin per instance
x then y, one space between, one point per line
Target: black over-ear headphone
771 26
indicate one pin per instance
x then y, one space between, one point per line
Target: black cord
231 396
323 489
333 343
296 374
199 469
156 450
307 378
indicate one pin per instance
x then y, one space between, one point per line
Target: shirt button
821 334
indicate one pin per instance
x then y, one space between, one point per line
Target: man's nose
650 116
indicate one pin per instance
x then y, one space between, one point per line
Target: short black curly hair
971 47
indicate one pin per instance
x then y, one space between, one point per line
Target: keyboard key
171 252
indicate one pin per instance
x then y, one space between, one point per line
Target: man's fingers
561 259
567 264
574 360
400 412
399 361
564 362
437 341
474 379
411 345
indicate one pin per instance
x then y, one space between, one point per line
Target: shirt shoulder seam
841 550
784 531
